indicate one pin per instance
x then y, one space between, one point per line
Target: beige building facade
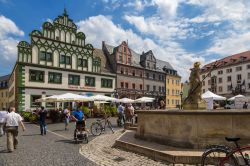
228 76
173 90
4 93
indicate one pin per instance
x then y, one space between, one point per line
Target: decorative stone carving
194 101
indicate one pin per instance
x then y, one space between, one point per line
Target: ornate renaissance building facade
57 60
228 76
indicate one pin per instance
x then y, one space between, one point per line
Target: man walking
12 121
42 117
120 111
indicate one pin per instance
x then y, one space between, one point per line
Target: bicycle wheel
110 126
239 157
213 156
96 128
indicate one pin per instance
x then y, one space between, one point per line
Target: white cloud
235 43
9 33
7 27
167 8
101 28
138 5
164 30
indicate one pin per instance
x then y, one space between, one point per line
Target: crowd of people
10 121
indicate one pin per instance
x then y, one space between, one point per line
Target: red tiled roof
227 61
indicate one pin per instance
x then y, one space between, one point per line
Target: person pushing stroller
79 118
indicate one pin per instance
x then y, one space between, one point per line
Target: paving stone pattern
101 152
37 150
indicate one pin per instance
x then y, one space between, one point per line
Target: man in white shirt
2 118
12 121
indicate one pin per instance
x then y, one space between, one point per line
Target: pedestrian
120 111
131 111
12 121
42 120
79 118
162 104
3 114
245 105
66 113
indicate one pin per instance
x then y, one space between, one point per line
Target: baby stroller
80 133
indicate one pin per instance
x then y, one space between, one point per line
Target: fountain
193 100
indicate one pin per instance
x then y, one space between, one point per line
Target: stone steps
155 151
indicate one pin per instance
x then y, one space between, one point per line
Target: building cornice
60 89
68 70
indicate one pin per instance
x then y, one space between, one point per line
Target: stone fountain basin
193 129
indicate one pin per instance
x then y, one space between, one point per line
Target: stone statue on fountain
193 100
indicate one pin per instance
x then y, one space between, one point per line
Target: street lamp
181 93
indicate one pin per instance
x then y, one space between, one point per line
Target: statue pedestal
194 106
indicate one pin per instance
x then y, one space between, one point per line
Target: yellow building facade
4 92
173 91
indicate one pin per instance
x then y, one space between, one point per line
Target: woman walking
67 117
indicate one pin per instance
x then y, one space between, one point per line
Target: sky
178 31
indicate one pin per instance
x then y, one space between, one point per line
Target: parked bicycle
100 125
225 156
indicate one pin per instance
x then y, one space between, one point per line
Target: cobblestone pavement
100 151
57 148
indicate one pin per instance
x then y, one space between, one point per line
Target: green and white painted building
57 60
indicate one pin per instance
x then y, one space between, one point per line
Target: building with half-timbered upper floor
57 60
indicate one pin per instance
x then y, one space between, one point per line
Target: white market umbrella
101 102
237 96
102 98
72 97
125 100
53 98
211 95
145 100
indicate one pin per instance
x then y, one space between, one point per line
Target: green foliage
110 110
95 107
29 117
107 110
26 116
33 118
85 110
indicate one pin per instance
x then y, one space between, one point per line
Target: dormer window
232 60
242 58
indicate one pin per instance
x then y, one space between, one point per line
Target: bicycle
225 156
97 127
